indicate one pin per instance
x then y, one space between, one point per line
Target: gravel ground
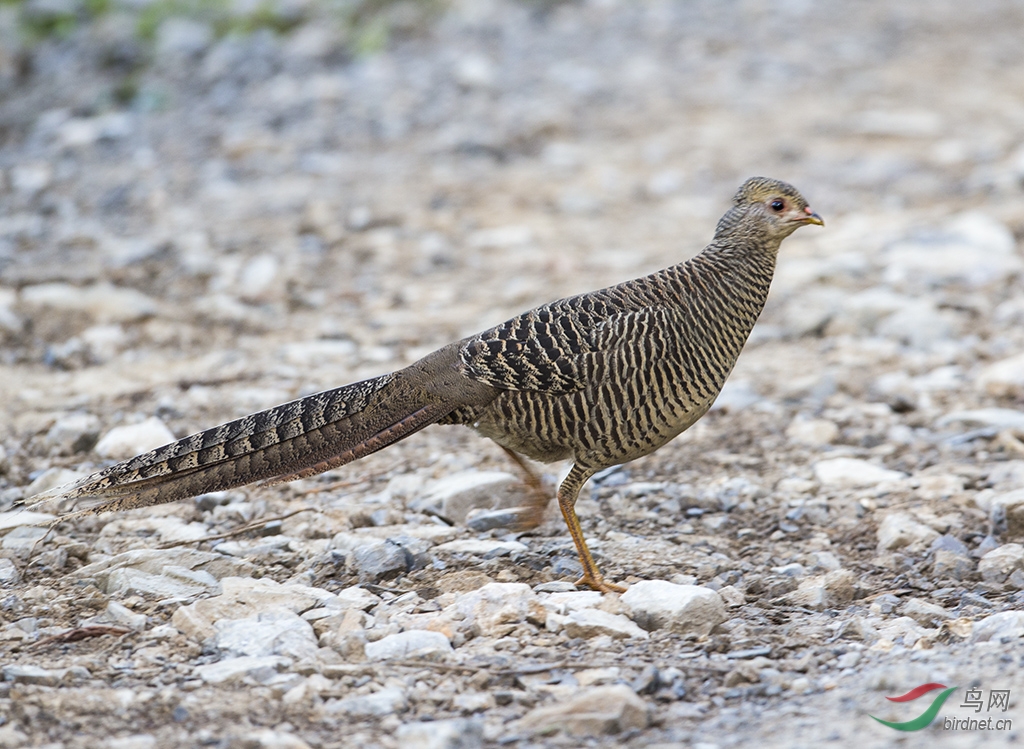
204 215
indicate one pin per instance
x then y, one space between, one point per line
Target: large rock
259 668
1003 418
384 702
812 432
274 632
416 643
1006 625
482 547
1000 563
1008 509
377 560
925 613
900 529
245 597
686 609
831 590
1004 378
134 439
496 608
852 473
455 496
589 622
593 712
974 249
457 733
103 302
73 433
154 561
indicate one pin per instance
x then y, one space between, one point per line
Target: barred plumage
601 378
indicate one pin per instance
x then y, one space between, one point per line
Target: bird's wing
557 348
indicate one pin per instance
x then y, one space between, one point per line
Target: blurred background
207 208
210 207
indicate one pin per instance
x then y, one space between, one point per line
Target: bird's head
769 207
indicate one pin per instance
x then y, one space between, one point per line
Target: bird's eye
778 205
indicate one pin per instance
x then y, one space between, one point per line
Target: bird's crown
758 189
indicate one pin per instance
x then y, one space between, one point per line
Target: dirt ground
205 214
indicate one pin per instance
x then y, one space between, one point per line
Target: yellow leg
537 499
567 494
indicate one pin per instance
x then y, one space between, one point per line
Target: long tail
293 440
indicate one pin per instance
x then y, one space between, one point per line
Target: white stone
105 302
898 123
105 341
266 738
121 614
589 623
318 352
273 632
416 643
243 597
482 547
495 608
22 518
925 613
736 395
174 583
182 37
52 478
31 178
659 604
457 733
590 712
9 574
353 597
973 249
234 669
1006 624
1003 418
138 741
904 630
831 590
1004 378
862 312
919 324
1001 562
901 529
454 496
571 600
156 561
74 432
852 473
1008 508
257 276
812 432
501 237
134 439
384 702
475 71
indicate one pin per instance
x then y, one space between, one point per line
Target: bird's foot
598 583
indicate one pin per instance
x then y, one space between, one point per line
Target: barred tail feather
293 440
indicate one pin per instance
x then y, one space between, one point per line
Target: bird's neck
730 269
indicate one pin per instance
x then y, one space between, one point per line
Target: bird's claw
601 585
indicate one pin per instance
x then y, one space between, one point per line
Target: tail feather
293 440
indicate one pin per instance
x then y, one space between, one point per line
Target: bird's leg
537 499
567 494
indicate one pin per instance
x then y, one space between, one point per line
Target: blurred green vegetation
367 25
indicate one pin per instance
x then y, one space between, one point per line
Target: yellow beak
812 217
